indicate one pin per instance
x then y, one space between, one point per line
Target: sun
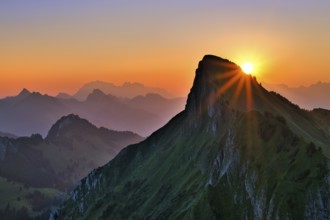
247 68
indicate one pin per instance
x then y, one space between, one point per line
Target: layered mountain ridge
35 172
32 112
237 151
126 90
308 97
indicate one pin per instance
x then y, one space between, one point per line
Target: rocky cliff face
236 152
4 142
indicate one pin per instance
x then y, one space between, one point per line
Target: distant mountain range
36 171
237 151
310 97
126 90
29 113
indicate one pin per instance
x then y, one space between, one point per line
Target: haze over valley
164 110
143 113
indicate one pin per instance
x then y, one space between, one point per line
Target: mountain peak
126 90
228 161
96 94
214 77
99 96
58 129
210 57
24 93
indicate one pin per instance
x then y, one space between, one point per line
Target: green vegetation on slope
252 155
16 196
34 170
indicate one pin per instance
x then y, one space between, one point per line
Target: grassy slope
166 176
270 159
16 195
66 158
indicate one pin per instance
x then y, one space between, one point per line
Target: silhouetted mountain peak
233 152
126 90
69 121
98 92
213 58
24 93
37 94
307 97
36 98
99 96
215 78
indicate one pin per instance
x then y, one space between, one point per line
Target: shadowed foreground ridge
236 152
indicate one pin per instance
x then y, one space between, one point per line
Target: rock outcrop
236 152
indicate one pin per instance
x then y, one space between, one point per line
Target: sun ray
249 97
238 91
228 84
237 83
252 120
230 78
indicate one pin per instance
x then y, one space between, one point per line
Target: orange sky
53 46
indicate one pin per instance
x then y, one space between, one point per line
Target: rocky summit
237 151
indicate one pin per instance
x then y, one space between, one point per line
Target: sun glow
247 68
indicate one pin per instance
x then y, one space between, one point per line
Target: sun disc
247 68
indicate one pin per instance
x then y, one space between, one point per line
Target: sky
52 46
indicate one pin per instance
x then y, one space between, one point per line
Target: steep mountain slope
126 90
34 167
30 113
236 152
308 97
